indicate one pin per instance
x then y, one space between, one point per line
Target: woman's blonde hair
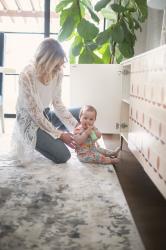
49 57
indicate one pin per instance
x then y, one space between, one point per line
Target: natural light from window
22 36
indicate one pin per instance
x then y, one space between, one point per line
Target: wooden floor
147 205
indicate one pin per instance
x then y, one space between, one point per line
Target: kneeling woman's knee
63 155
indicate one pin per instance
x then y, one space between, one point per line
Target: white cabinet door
98 85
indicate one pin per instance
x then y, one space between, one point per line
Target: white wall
98 85
149 38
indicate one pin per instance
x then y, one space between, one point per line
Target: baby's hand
97 132
89 130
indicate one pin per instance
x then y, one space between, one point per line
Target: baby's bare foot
109 160
114 160
115 152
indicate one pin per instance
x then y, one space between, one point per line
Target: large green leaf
103 36
126 50
87 30
88 5
63 4
73 11
129 21
77 46
119 56
127 32
130 38
108 14
63 16
93 15
131 9
117 8
72 58
86 2
105 52
136 24
92 45
67 28
142 6
85 57
101 4
117 33
88 57
125 27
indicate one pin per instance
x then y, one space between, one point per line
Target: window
19 50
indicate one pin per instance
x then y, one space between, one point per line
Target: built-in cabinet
125 101
98 85
144 110
131 100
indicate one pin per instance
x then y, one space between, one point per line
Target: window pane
10 93
19 50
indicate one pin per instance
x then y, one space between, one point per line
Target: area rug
72 206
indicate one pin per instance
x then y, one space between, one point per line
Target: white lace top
29 110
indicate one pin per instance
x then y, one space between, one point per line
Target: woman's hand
68 139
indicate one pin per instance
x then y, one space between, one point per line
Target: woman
39 87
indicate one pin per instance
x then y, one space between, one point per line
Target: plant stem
79 9
114 43
113 52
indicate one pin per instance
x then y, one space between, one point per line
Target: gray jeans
54 149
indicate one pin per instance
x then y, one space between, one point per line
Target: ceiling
27 16
17 15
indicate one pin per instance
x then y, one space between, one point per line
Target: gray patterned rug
72 206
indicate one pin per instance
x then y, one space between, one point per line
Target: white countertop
7 70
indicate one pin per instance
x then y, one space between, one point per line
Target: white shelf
6 70
126 101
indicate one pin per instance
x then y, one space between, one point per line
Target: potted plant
80 21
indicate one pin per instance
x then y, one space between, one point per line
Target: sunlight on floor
6 137
9 123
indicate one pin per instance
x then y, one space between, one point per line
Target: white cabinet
131 100
146 112
107 87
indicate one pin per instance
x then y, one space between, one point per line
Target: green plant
80 22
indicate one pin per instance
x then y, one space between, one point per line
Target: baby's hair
88 108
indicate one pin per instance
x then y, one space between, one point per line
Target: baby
86 136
